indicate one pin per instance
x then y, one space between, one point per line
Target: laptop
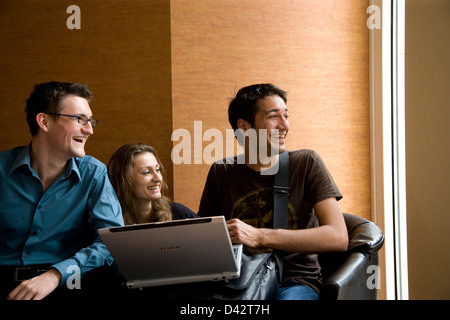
174 252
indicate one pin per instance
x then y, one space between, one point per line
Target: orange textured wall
122 52
315 50
157 66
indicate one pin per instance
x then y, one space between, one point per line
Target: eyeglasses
81 120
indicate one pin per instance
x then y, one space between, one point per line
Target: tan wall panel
427 148
317 51
122 52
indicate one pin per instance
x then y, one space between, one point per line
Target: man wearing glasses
53 198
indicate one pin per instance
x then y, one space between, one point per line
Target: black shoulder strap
281 192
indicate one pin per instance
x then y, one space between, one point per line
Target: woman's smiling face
147 177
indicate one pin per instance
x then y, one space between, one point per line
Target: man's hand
330 236
38 287
241 232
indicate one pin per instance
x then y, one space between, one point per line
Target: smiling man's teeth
79 139
153 188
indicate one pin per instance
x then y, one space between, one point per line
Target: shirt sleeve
319 180
180 211
103 210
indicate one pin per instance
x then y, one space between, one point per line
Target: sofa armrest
364 235
349 281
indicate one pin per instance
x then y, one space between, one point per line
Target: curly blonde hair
120 169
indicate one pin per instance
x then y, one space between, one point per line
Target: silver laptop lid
172 252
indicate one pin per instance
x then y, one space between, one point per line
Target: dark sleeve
180 211
320 183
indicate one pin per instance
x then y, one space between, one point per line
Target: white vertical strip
387 149
399 162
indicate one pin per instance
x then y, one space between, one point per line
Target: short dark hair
244 105
46 97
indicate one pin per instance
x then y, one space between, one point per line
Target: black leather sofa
350 275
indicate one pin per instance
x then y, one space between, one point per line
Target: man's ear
42 120
244 125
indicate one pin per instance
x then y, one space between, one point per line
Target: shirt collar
23 159
72 166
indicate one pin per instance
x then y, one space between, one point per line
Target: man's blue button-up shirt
58 227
